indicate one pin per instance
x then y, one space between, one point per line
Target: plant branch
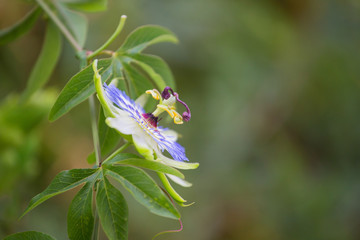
122 148
60 25
111 39
94 130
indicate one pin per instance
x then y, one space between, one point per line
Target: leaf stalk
60 25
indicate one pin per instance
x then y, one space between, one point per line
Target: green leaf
144 189
156 68
46 62
120 157
150 164
145 36
63 182
87 5
76 22
118 74
78 89
9 34
30 235
139 83
113 211
80 220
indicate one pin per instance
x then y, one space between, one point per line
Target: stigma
167 100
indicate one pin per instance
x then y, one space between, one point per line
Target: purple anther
151 119
165 94
186 115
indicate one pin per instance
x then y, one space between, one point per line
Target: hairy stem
60 25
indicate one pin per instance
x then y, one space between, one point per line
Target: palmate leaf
87 5
30 235
9 34
80 220
78 89
145 36
113 211
46 62
144 189
63 182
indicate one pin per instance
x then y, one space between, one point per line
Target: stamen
186 115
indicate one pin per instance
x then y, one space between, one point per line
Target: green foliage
80 220
81 86
78 89
63 182
144 190
46 62
113 210
134 72
87 5
30 235
111 205
156 68
138 82
145 36
76 22
24 25
21 147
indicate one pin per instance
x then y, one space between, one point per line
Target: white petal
123 124
179 181
142 145
169 134
176 164
142 100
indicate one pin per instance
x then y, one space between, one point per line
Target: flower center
151 119
167 100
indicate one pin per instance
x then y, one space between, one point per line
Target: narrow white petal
176 164
179 181
169 134
142 145
123 124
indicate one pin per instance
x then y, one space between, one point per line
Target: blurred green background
274 91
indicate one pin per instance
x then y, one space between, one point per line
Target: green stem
94 130
122 148
60 25
111 39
